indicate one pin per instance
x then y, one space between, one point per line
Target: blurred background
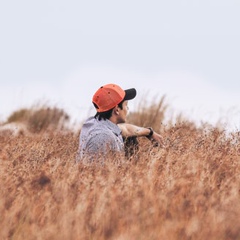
60 52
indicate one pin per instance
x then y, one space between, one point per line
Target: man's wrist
150 133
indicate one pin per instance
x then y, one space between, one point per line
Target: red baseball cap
110 95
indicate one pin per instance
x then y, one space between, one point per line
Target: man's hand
157 140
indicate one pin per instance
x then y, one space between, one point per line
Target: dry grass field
189 190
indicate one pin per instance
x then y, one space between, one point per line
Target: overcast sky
60 52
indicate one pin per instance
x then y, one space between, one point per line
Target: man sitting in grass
103 133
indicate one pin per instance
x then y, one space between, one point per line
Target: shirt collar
112 126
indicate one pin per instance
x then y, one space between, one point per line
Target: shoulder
102 137
100 142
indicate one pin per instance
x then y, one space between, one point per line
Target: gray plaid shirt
97 138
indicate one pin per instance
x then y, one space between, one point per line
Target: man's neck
113 119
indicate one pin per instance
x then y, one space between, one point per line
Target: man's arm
129 130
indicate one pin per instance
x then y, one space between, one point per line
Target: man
103 134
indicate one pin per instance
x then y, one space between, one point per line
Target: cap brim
130 94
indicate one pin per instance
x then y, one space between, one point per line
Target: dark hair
106 115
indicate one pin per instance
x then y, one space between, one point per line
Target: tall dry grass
40 118
149 113
190 190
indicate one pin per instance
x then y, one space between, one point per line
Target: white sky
60 52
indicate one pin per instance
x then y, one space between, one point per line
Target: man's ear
116 110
